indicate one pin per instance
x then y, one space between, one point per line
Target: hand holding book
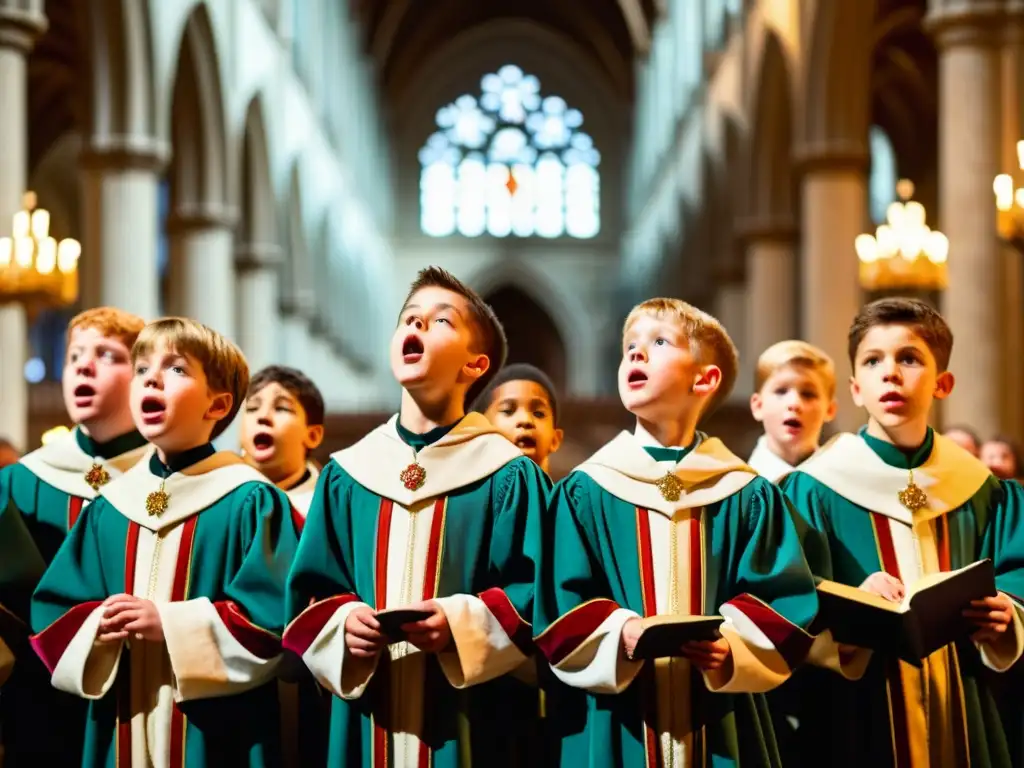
992 616
696 638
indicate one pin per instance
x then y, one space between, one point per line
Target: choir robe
468 538
941 714
618 549
214 563
766 463
41 497
301 495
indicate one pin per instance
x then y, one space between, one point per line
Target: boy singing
888 506
665 520
437 512
795 397
170 587
41 498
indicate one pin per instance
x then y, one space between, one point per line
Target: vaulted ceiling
401 34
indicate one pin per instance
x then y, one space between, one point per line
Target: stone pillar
834 212
258 320
120 211
21 23
320 365
771 288
202 271
296 316
731 310
968 39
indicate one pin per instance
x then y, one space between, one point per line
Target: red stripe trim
124 676
256 640
696 565
380 599
792 643
51 643
897 702
432 567
942 542
179 593
649 595
518 631
301 633
75 504
571 629
297 519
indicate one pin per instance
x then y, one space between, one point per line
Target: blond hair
796 353
112 322
709 342
223 363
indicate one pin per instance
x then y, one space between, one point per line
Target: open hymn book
664 635
929 617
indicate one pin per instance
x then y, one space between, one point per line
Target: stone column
834 212
731 310
202 271
968 38
120 211
258 320
294 347
320 365
21 23
771 288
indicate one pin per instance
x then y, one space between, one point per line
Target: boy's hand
127 616
432 634
362 633
992 616
708 654
884 585
631 632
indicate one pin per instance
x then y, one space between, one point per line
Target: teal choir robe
639 531
41 497
214 562
466 536
898 715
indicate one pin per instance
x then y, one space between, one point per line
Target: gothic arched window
883 178
509 162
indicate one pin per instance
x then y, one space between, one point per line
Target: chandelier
1010 205
35 270
903 254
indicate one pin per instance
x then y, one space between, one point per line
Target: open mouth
793 424
263 441
153 410
893 397
412 349
84 390
636 377
525 443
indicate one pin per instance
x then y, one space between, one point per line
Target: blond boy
41 498
665 520
169 588
795 385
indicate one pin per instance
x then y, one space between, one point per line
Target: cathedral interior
281 169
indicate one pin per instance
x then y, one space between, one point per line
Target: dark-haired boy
888 506
282 423
434 511
170 588
521 402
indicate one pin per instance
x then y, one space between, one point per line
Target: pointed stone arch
258 223
200 168
297 282
533 336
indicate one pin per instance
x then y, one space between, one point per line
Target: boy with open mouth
41 498
169 590
437 515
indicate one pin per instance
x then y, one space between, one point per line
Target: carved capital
131 153
20 27
253 256
762 229
192 218
982 24
840 156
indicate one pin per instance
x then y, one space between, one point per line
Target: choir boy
169 590
890 505
666 520
434 512
795 397
41 497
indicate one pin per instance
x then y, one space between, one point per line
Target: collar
707 474
895 456
189 490
470 451
180 461
63 464
768 464
851 467
129 441
301 494
418 441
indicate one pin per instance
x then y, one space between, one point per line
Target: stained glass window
509 162
882 181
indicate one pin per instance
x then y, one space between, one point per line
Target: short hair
298 384
709 341
223 363
490 334
518 372
111 322
1011 446
966 430
794 352
920 317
